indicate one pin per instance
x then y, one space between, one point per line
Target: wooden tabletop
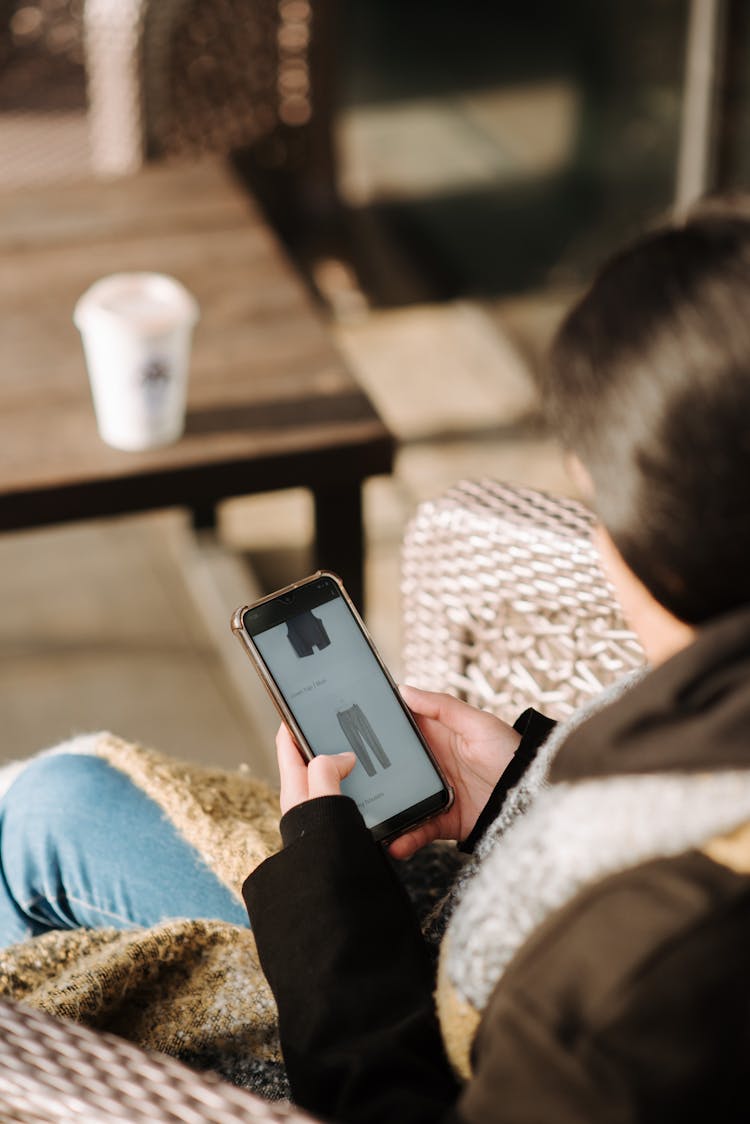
270 402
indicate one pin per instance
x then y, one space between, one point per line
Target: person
594 966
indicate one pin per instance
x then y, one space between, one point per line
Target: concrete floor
100 631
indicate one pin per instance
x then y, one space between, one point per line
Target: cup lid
152 303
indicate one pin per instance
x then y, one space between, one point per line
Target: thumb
326 772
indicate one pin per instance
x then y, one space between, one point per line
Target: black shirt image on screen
306 632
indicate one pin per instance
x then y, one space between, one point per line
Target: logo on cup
155 375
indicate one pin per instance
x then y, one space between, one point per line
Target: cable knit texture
231 819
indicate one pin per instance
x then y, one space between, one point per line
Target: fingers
292 770
301 781
435 705
421 702
460 718
407 845
326 772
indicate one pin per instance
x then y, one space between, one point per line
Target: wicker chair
55 1071
175 77
505 603
506 606
180 76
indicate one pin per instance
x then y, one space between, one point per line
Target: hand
301 781
472 747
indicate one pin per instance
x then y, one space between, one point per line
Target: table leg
204 517
339 535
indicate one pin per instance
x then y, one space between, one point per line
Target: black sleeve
352 977
534 729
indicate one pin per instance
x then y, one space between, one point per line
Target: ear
661 634
580 476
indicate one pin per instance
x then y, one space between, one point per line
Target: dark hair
649 384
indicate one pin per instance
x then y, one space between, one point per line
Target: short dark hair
649 384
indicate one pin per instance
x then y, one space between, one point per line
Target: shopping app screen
336 690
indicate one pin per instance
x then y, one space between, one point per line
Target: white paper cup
137 330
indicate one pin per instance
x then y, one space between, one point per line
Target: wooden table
271 404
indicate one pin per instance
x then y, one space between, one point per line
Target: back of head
649 385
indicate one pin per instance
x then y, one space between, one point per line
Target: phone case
279 702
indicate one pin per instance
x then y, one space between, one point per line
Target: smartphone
330 686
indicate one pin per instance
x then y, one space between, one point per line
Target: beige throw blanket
192 989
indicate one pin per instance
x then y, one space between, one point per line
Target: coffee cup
137 330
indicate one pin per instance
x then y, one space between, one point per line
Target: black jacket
632 1003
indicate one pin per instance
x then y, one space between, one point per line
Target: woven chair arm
505 603
52 1070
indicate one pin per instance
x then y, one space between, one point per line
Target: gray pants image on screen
361 736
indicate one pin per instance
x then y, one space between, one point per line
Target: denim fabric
81 845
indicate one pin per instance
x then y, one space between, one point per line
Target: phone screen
334 686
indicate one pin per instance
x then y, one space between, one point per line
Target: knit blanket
191 989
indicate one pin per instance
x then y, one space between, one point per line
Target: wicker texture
505 603
185 77
219 76
56 1071
163 77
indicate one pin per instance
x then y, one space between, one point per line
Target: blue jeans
82 846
